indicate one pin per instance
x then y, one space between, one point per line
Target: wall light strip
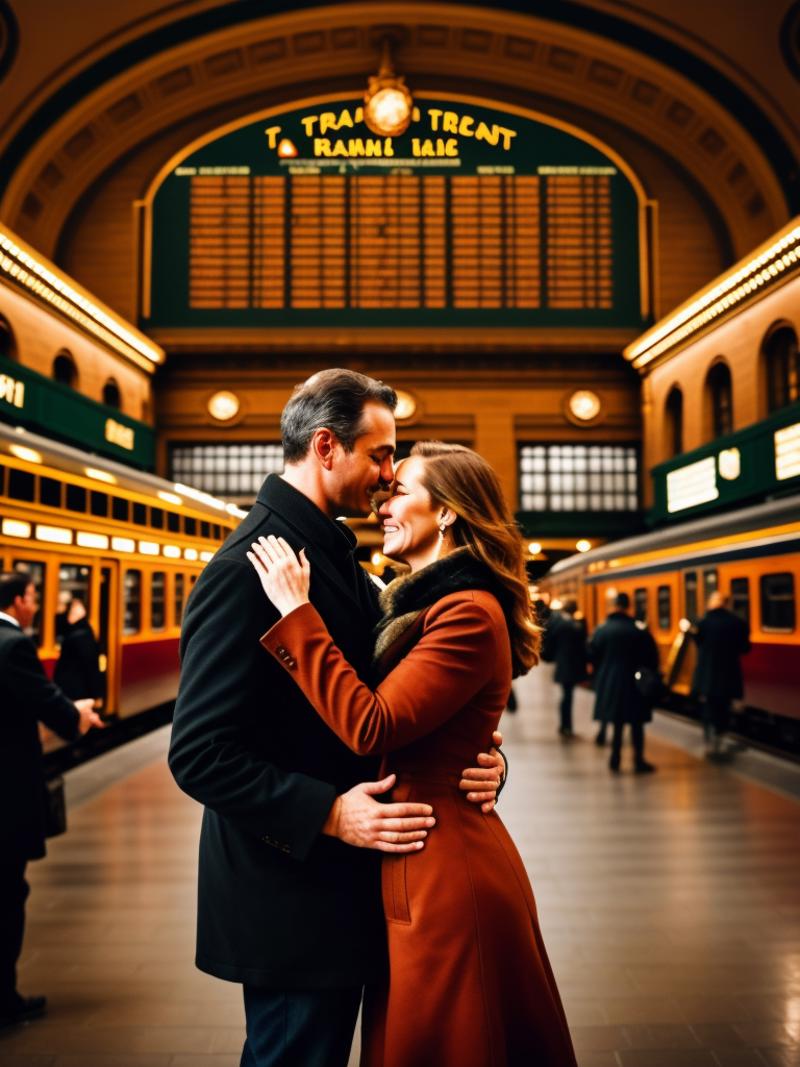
149 548
25 267
100 476
123 544
766 267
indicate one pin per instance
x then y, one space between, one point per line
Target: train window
640 604
98 504
190 526
49 492
690 595
205 529
173 522
76 498
777 602
217 529
158 600
132 602
180 596
740 598
74 583
157 518
21 485
140 514
3 478
710 584
664 607
35 570
120 509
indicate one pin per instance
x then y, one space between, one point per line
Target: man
722 639
77 671
565 645
26 696
289 901
620 650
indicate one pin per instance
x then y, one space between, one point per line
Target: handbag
55 811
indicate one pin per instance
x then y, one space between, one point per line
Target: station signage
787 452
12 391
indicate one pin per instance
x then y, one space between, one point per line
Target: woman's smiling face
409 517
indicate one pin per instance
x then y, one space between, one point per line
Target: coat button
280 650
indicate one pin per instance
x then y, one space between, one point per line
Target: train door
682 666
109 631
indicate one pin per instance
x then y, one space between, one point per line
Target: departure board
509 221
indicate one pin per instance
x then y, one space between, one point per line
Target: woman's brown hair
460 479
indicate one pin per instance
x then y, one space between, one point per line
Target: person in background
565 645
619 650
722 639
77 671
26 698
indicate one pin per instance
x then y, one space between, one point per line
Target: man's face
25 606
359 474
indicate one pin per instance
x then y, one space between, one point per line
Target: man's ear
323 445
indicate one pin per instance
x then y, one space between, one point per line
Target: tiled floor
670 905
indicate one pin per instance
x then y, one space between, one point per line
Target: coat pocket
395 889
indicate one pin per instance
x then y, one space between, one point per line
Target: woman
470 984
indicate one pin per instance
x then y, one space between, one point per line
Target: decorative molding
521 56
770 265
9 38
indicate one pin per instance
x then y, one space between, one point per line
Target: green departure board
472 217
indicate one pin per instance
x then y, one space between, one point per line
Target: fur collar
404 600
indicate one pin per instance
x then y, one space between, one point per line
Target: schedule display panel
472 217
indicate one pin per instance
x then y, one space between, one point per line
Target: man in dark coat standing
722 639
289 899
565 645
77 672
619 650
26 698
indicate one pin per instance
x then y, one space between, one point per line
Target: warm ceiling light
534 548
100 476
171 498
30 455
388 104
224 405
583 545
286 149
406 405
584 405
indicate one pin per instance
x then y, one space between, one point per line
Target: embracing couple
302 711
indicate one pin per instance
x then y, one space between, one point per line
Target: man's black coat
722 639
77 671
26 697
565 645
617 649
279 904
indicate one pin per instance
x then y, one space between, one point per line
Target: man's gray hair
333 399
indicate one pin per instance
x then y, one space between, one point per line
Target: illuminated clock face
224 406
584 405
388 112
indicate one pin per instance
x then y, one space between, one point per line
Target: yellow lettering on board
483 133
309 122
345 120
339 149
272 135
327 121
450 122
322 146
507 135
451 147
434 114
465 126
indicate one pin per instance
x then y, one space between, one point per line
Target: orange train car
131 545
752 556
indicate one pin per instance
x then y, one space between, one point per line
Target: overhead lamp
583 545
29 455
100 475
534 548
171 498
388 103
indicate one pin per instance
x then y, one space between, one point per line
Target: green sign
472 217
29 399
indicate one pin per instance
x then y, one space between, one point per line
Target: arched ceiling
105 79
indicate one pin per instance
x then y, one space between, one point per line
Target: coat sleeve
209 754
453 660
26 676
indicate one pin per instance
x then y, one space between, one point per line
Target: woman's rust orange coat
470 984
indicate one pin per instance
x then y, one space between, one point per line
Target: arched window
64 369
111 394
673 411
720 395
8 346
783 368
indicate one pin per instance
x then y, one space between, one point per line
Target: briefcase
55 812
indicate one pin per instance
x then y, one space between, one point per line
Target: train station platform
669 905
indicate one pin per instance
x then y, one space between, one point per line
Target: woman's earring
442 528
